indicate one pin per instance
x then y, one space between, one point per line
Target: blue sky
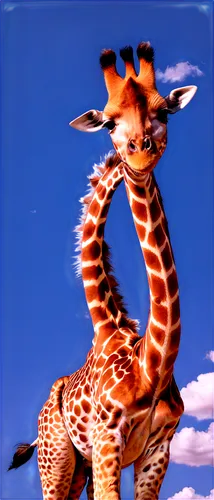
51 74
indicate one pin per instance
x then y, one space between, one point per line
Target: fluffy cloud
191 447
210 355
189 492
198 397
178 73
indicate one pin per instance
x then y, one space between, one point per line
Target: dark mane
111 160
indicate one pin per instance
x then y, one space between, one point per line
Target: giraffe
123 405
136 116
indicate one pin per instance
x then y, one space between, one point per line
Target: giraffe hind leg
56 453
150 471
82 476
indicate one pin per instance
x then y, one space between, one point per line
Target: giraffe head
135 113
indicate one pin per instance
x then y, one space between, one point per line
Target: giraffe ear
179 98
91 121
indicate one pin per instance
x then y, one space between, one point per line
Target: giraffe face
135 113
137 124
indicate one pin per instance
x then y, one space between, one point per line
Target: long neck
161 341
104 302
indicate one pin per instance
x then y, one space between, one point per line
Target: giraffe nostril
147 143
132 147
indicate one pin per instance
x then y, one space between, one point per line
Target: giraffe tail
23 453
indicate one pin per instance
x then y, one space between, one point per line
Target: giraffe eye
110 125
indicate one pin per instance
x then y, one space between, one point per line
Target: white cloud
210 355
191 447
178 73
189 492
198 397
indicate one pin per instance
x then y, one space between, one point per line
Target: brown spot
167 257
161 460
87 390
94 208
103 415
126 364
159 312
108 374
109 183
137 190
100 229
92 272
109 384
77 410
139 209
98 313
141 230
158 470
113 359
91 252
147 468
112 425
152 260
109 407
175 310
157 286
81 427
155 209
153 358
86 406
122 352
105 210
102 289
91 293
89 228
78 393
119 374
157 333
83 438
160 235
101 190
172 283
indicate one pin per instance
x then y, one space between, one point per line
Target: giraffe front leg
150 471
107 459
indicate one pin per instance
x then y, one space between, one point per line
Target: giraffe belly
136 443
79 431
